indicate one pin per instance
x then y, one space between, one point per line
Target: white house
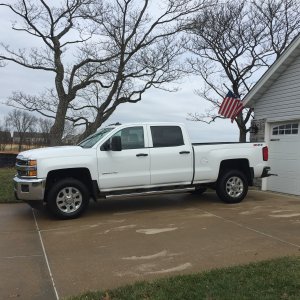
276 102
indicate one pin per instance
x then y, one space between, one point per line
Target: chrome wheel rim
69 199
234 187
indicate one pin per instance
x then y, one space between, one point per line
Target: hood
60 151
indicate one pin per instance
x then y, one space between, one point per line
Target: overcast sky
156 105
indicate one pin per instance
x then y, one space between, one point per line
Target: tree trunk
243 134
242 127
90 129
20 144
57 130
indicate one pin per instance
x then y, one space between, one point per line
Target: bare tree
120 52
22 122
58 29
233 43
71 136
149 50
44 127
281 21
5 136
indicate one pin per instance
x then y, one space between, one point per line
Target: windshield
91 140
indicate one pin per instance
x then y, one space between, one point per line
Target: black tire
68 198
199 190
232 186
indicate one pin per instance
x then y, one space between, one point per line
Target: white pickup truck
135 159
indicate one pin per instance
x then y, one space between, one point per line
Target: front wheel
232 186
68 198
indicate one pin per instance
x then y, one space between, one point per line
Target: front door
129 168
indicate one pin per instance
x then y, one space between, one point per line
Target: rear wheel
232 186
68 198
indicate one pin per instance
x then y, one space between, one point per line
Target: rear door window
166 136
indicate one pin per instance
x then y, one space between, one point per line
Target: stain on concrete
156 230
163 253
120 228
174 269
149 269
127 274
285 215
204 215
280 211
257 207
70 229
247 212
131 212
144 268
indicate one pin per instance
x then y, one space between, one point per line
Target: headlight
26 167
31 162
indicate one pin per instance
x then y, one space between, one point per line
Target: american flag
231 106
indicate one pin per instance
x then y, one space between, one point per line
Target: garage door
284 158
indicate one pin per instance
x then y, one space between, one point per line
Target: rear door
171 156
129 168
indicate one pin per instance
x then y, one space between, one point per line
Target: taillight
265 153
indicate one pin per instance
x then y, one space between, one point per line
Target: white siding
282 99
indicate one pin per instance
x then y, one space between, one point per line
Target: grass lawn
274 279
6 185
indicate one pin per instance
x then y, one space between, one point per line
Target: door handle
141 154
184 152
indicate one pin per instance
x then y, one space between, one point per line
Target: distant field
6 185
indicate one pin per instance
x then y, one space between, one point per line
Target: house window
285 129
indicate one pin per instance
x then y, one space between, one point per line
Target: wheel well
238 164
81 174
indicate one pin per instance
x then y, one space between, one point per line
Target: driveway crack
45 256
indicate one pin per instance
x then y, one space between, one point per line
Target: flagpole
226 87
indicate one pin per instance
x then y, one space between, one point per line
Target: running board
149 193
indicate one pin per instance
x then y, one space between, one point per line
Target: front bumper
29 189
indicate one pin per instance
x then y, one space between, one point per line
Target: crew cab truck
135 159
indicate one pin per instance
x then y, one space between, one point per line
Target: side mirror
116 144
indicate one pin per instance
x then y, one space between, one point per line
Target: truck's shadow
152 203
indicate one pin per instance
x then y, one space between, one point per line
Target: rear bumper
265 172
29 189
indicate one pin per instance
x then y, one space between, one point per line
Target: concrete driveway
121 241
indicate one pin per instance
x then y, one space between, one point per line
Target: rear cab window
166 136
